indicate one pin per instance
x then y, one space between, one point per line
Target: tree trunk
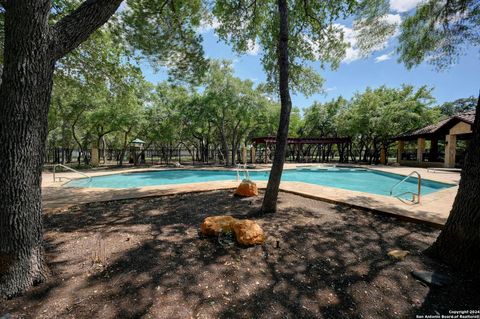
104 148
234 156
125 145
31 47
206 153
459 242
270 200
24 99
225 144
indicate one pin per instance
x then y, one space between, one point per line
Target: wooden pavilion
302 150
422 147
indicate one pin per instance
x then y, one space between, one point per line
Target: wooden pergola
428 153
302 149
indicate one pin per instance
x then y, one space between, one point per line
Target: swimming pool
368 181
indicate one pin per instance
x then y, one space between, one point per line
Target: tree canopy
438 32
372 118
313 36
226 114
458 106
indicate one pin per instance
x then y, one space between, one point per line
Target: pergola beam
295 145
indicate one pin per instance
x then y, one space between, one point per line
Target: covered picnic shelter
436 145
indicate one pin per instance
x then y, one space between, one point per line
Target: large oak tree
290 33
439 32
36 36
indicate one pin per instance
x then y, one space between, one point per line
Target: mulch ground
144 259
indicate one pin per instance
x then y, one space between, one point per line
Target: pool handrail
419 186
70 169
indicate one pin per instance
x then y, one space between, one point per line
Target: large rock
247 232
214 225
247 188
398 254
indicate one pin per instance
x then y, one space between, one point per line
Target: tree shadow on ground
331 262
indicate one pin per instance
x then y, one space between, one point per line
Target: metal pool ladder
70 169
246 175
415 196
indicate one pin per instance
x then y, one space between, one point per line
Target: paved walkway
433 209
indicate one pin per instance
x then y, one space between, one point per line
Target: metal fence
185 156
151 156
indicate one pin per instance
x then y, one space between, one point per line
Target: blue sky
356 73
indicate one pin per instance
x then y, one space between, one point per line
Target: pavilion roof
468 117
441 127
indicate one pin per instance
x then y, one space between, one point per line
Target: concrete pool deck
433 209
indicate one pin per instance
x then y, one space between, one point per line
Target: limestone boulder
247 188
214 225
398 254
248 233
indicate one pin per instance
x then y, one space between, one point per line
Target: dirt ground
144 259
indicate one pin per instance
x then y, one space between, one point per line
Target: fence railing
149 156
171 155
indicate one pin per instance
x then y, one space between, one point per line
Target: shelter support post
400 150
383 155
450 150
420 149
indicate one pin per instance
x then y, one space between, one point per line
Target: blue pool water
368 181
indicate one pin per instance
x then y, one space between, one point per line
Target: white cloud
330 89
208 25
353 53
404 5
383 57
253 48
395 19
